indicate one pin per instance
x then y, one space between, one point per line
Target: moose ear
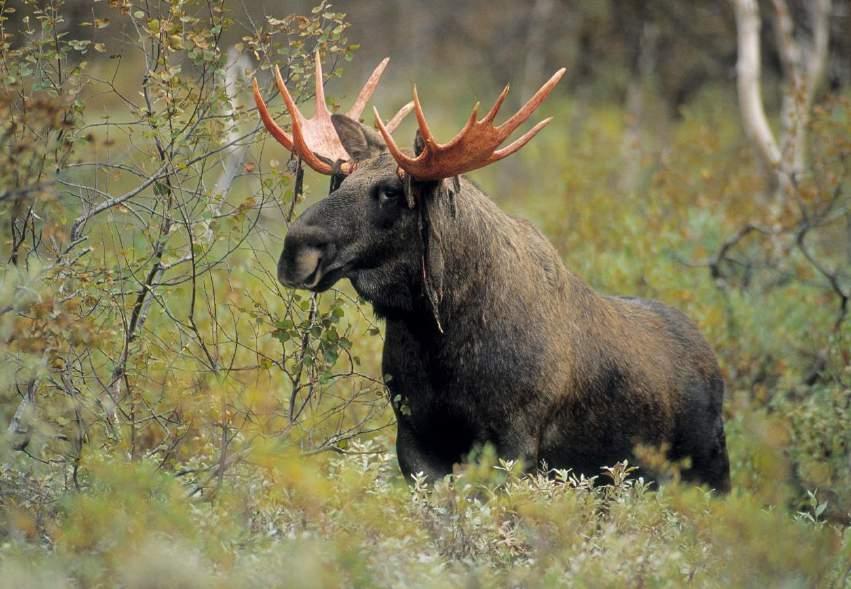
359 141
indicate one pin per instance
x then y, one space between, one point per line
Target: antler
314 140
475 146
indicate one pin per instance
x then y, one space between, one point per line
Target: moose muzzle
308 253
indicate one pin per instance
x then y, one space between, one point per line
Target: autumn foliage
176 417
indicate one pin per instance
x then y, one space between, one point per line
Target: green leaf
281 335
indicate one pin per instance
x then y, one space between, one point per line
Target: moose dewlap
490 339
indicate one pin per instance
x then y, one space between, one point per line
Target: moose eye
387 195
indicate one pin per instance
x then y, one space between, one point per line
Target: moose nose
307 250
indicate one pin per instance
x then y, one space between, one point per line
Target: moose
489 338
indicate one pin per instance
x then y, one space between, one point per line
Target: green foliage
178 415
350 520
819 444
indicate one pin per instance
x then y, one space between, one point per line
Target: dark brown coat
490 339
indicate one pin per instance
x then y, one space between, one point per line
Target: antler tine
488 118
279 134
304 151
394 150
315 140
476 145
518 143
471 120
368 88
295 113
421 121
319 93
531 105
400 116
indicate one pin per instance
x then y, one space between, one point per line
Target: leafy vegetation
177 418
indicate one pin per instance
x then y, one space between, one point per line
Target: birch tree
803 58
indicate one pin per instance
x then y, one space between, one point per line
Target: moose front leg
519 445
415 458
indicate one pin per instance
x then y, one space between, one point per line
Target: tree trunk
803 68
748 70
642 70
536 45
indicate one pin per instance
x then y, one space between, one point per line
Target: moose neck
483 267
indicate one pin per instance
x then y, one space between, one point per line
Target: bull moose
489 338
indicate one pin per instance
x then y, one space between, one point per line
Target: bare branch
78 224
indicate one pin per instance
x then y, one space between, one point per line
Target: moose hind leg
522 446
710 464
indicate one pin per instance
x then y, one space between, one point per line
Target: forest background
175 417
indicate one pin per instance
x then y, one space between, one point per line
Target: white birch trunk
803 69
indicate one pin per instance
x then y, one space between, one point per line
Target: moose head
372 227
